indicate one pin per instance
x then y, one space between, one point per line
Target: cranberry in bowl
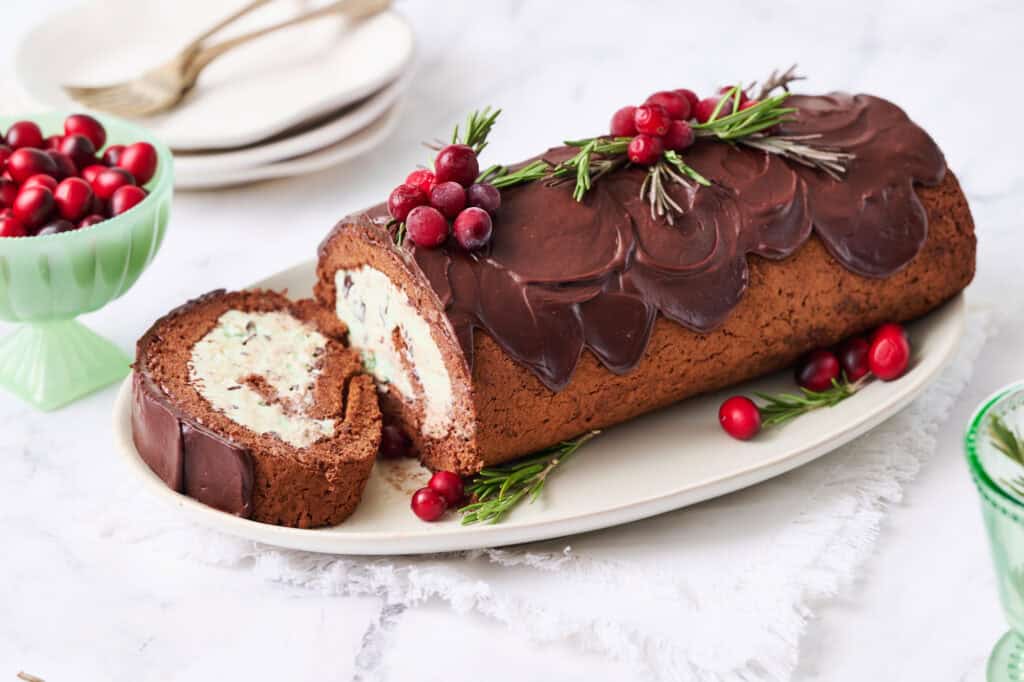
70 244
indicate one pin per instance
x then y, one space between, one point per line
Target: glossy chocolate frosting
561 276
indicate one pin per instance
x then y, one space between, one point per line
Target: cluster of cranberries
428 200
662 122
61 183
886 356
444 490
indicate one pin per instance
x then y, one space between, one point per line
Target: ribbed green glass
45 282
1003 512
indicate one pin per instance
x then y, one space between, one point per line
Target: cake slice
252 404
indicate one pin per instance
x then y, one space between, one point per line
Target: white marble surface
77 603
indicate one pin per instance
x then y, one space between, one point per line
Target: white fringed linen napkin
718 591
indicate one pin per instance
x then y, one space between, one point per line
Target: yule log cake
584 311
252 404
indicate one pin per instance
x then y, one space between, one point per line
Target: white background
76 603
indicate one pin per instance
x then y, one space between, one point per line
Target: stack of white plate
293 102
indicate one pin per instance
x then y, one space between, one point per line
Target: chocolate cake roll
252 404
582 315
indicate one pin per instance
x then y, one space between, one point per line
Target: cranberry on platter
126 198
394 442
422 178
140 160
449 198
622 122
645 149
853 356
458 163
818 370
679 136
473 228
73 197
24 134
88 127
404 199
449 486
111 180
428 504
740 417
674 103
426 226
484 196
889 355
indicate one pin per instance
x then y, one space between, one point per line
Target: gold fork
160 88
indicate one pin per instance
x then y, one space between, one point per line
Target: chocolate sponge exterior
792 306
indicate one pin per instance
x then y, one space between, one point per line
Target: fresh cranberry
66 168
111 180
91 219
651 119
404 199
394 442
40 180
24 163
5 153
428 504
818 370
622 122
12 227
24 134
645 149
449 198
679 136
52 143
422 178
8 192
426 226
113 154
676 104
691 98
74 198
743 95
33 206
125 198
484 196
458 163
706 107
140 160
740 417
853 356
889 354
890 328
449 486
55 227
79 149
473 228
82 124
89 173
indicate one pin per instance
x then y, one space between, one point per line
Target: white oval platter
248 95
656 463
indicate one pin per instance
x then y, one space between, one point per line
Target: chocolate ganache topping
561 276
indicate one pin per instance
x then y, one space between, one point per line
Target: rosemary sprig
782 407
670 168
778 80
1006 440
497 490
478 127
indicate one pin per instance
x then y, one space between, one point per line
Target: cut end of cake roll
253 405
398 324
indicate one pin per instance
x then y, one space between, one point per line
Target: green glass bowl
1002 507
45 282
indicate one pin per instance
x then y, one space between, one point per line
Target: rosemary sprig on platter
779 408
495 491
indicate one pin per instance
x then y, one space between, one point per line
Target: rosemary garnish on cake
495 491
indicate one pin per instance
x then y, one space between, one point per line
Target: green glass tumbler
51 359
1000 483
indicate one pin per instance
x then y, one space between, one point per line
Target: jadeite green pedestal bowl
46 282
